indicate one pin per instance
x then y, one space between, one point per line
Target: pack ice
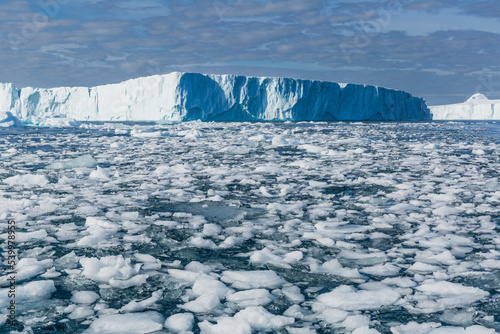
192 96
477 107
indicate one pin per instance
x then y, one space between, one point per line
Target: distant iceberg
191 96
477 107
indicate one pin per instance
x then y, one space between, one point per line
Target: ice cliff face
478 107
190 96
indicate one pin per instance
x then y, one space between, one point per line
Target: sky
443 50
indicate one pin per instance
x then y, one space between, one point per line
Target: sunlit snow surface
253 227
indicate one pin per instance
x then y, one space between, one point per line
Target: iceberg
180 96
477 107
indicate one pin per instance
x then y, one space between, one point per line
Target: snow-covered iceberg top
192 96
477 107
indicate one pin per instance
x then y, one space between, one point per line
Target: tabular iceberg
192 96
478 107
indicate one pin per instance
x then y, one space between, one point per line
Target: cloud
441 47
446 19
60 48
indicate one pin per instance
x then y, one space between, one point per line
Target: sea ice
262 320
130 323
349 299
180 322
225 325
253 297
27 180
344 243
109 267
207 284
79 162
26 269
84 297
34 290
206 303
477 107
244 280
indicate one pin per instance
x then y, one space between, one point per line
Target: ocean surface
303 227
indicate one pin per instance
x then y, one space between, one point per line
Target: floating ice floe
86 161
27 180
130 323
225 325
262 320
84 297
349 299
180 322
29 292
26 269
99 174
109 268
252 297
252 279
206 303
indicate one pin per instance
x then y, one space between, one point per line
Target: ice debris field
253 227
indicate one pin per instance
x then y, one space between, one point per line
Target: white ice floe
79 162
26 269
206 303
262 320
81 313
130 323
99 174
137 280
139 133
207 284
436 328
293 293
333 267
109 267
84 297
138 306
349 299
225 325
99 233
244 280
32 291
252 297
381 270
27 180
442 295
40 234
180 322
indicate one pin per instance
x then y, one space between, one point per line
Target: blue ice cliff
192 96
